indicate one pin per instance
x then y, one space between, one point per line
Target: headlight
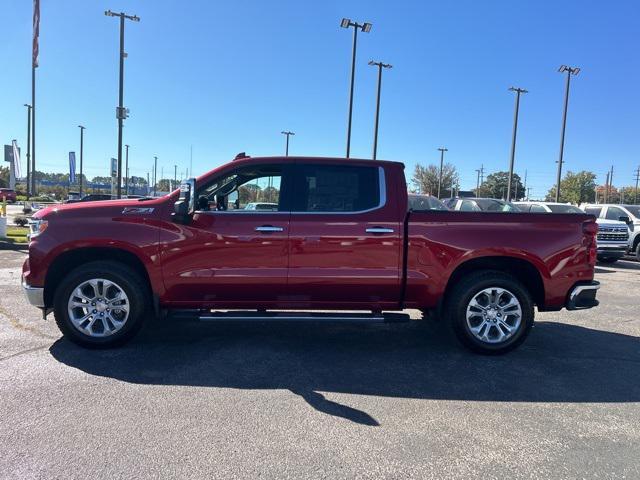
36 227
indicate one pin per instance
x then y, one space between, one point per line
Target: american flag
36 31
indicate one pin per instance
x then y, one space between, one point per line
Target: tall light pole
81 154
121 112
175 175
518 91
126 170
287 134
569 71
442 150
28 148
366 28
155 172
380 66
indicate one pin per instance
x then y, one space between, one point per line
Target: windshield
564 209
634 209
425 202
491 205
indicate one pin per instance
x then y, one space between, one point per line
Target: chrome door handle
379 230
269 228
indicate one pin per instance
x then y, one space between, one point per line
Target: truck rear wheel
491 312
101 304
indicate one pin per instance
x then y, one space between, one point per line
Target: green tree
425 179
101 180
4 177
495 186
575 188
628 195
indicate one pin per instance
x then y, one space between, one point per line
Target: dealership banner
72 167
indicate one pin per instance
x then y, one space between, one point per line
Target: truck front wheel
101 304
491 312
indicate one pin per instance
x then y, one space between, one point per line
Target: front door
234 254
345 238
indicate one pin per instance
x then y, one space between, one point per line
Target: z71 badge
137 210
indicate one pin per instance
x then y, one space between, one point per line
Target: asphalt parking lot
323 401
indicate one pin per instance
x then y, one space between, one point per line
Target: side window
594 211
336 188
614 213
468 206
251 188
537 209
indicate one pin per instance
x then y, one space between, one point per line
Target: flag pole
34 64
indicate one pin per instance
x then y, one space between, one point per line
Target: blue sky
227 77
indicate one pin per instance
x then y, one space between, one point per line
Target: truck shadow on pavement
418 360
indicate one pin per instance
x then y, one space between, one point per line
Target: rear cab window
337 188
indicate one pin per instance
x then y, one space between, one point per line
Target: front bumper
614 250
583 296
35 295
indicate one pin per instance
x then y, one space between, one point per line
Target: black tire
608 259
460 296
638 251
136 289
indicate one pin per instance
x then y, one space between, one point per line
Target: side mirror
185 207
625 219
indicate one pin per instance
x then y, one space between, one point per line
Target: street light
569 71
121 112
287 133
29 173
513 139
81 152
366 28
380 66
126 170
442 150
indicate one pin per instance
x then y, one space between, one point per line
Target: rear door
344 235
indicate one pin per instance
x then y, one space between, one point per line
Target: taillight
590 231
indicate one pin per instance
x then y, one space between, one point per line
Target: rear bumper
583 296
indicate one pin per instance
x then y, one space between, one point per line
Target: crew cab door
229 256
344 237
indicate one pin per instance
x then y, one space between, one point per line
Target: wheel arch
523 270
70 259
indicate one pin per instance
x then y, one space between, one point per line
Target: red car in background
9 194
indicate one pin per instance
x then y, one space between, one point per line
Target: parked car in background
264 206
480 205
629 214
92 197
9 194
419 202
613 235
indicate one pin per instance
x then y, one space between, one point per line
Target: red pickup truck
339 236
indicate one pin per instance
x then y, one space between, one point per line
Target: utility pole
611 185
155 172
635 195
525 184
366 28
287 134
518 91
569 71
28 148
126 170
480 172
528 193
121 112
380 66
442 150
81 156
148 184
175 175
606 189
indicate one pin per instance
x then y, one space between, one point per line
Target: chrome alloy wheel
98 307
494 315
